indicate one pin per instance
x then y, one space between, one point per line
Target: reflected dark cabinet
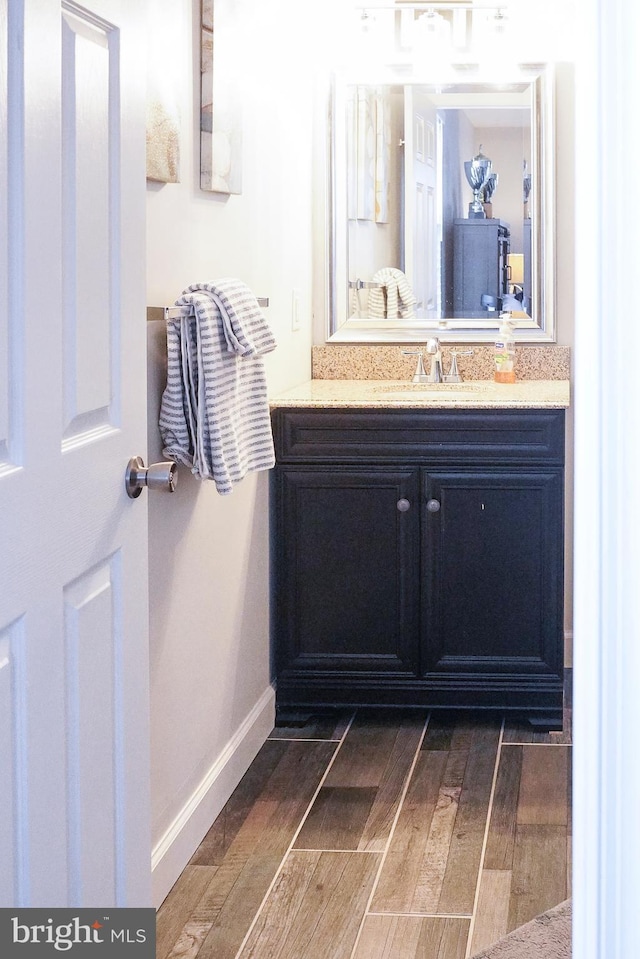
418 559
480 274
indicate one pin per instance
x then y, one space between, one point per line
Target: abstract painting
369 153
163 89
220 113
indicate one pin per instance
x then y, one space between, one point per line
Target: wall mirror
442 211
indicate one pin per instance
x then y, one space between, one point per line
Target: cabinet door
347 570
493 573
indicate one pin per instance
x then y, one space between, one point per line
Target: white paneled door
74 754
421 227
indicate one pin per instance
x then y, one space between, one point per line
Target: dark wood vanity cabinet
418 559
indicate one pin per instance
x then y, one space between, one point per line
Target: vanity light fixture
491 26
433 27
446 29
500 21
373 35
432 39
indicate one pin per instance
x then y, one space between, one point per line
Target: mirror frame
541 328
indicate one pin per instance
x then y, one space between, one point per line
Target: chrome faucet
435 373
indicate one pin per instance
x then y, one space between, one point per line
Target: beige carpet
546 937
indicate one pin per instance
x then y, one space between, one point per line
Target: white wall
607 705
507 147
212 703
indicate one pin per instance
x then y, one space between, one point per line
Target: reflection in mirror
443 211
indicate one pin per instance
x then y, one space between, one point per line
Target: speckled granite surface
371 394
338 361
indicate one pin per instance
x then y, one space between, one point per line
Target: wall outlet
295 310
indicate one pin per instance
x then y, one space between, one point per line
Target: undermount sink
402 391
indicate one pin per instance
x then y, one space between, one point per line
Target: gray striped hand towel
393 297
214 415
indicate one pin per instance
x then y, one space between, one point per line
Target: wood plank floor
380 835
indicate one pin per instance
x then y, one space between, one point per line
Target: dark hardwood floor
380 835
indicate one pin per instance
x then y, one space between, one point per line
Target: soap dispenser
505 352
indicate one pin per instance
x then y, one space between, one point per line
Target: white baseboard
182 838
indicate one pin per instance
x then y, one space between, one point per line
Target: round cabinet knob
433 505
403 505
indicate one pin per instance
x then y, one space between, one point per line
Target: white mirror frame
542 327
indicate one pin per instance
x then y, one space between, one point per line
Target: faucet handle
420 375
453 376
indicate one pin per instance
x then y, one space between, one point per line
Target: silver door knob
157 476
403 505
433 505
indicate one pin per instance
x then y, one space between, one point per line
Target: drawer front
419 436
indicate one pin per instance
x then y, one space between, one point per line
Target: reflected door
422 233
74 803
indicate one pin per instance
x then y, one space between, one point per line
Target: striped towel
214 415
394 297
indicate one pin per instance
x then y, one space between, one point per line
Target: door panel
74 804
422 238
10 713
90 156
92 619
11 394
493 572
5 382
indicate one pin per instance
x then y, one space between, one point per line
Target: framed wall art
220 105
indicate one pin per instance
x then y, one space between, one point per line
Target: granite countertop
402 394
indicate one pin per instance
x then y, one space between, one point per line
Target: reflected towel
214 415
394 297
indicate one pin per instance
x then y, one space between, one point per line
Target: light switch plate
295 310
